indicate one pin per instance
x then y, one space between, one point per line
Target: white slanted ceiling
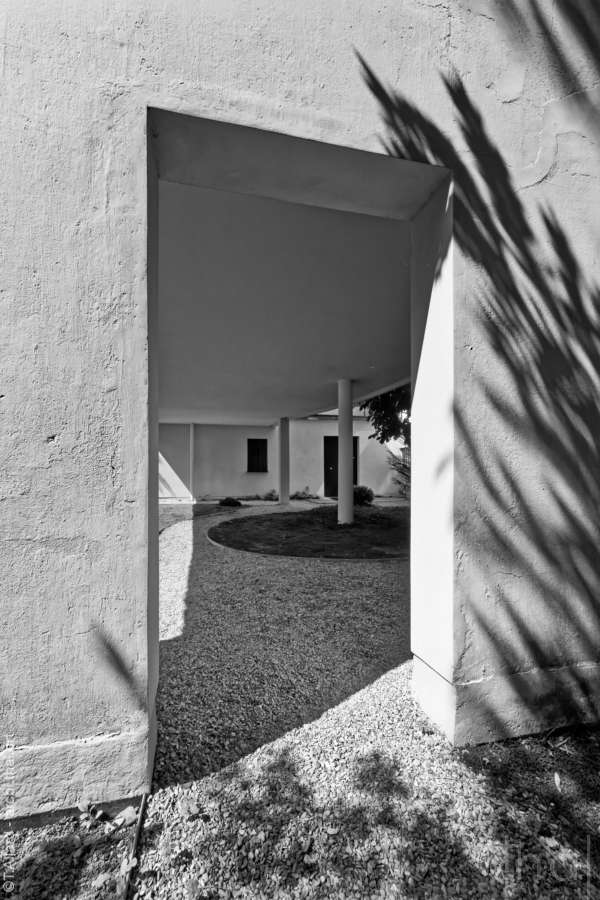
284 264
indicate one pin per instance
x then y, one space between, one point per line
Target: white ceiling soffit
227 157
263 305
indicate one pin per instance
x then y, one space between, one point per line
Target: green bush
363 495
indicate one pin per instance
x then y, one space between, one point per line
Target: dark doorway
330 461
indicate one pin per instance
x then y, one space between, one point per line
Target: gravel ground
76 856
367 800
253 646
259 795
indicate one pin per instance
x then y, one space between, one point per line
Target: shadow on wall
533 531
112 658
173 476
570 32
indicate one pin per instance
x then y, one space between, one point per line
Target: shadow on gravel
51 867
268 644
545 792
83 863
267 833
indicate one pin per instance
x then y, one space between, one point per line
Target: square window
257 454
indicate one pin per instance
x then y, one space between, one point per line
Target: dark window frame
257 456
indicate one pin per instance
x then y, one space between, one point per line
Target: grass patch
375 533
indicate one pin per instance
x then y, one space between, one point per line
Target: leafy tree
389 414
400 464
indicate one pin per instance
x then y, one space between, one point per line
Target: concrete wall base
508 705
43 777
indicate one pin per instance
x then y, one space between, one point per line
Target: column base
42 778
509 705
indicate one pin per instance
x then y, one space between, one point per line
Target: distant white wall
174 481
220 461
306 452
215 463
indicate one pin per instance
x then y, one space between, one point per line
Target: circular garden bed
376 533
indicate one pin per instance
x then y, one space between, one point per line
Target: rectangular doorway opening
330 464
276 267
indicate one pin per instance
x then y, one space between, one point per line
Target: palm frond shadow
533 531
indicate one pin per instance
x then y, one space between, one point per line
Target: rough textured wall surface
527 357
77 79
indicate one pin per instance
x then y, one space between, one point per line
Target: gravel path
253 646
369 802
366 801
258 795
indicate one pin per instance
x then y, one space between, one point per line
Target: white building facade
204 462
200 221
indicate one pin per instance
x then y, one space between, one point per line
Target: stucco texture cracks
74 553
77 82
526 617
523 150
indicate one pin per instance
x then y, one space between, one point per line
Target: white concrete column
345 453
191 454
284 460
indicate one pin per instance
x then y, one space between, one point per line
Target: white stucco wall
220 454
432 474
78 562
432 470
175 462
306 456
219 460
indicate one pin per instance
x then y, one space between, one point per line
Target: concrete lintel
230 157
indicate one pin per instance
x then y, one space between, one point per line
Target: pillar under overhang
505 626
284 460
345 453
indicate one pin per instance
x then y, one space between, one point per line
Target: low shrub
363 495
229 501
270 495
304 494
